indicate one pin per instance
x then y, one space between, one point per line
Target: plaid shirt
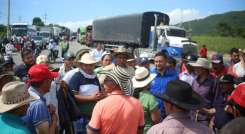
187 78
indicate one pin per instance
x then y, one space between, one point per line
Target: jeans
80 128
63 52
21 46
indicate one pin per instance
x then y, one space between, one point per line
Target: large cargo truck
32 31
88 36
81 35
18 29
64 32
56 31
147 32
47 32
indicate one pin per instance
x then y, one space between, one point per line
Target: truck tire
136 53
130 50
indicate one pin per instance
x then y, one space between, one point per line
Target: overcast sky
79 13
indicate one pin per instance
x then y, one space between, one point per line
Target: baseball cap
191 58
143 60
185 53
217 58
5 60
40 72
69 55
238 95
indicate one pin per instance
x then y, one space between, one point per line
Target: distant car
40 41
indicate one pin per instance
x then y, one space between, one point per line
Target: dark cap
5 60
225 78
185 53
239 80
204 45
191 58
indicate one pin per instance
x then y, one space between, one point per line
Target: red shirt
182 68
204 52
224 71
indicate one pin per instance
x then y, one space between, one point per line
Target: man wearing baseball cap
218 66
8 64
14 103
38 118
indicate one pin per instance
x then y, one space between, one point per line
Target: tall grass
218 44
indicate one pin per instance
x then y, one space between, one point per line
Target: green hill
208 24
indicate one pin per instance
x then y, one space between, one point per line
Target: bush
243 34
197 34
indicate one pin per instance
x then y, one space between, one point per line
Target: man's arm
91 132
83 99
44 127
207 111
140 131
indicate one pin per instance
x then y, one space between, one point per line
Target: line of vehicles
147 32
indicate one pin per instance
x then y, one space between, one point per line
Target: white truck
47 32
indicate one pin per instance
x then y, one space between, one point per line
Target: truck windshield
90 36
19 31
74 34
37 38
176 32
83 33
44 34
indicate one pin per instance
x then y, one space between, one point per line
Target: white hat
202 63
87 59
142 77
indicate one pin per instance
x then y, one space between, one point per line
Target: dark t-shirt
21 71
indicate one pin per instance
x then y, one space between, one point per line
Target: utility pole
8 18
45 17
19 18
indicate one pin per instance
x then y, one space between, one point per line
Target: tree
224 28
50 25
56 25
186 27
238 29
37 21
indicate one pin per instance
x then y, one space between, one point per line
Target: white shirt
52 46
96 54
68 75
9 48
238 69
22 40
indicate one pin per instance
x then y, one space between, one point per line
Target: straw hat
202 63
14 95
142 77
122 50
43 59
241 52
87 59
80 51
122 78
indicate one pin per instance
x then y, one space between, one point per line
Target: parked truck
47 32
147 32
81 35
64 32
56 31
88 36
32 31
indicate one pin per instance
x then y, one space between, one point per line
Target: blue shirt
12 124
221 117
158 85
37 113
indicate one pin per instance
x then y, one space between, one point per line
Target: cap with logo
5 60
40 72
69 55
191 58
217 58
143 60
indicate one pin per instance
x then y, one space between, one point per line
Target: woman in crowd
106 60
141 83
10 49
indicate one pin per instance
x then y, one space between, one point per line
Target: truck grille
190 47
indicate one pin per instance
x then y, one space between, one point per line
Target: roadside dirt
226 57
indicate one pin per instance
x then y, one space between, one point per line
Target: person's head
81 52
7 63
121 56
131 63
106 59
98 47
242 54
141 80
160 61
190 59
184 54
5 37
217 63
201 67
15 98
115 49
144 62
234 55
204 45
32 41
41 78
235 126
237 101
21 36
226 83
69 58
27 57
87 63
5 77
171 63
179 96
11 42
118 79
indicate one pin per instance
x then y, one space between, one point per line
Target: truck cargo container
47 32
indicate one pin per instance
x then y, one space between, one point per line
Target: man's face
200 71
121 60
98 47
172 66
69 62
47 83
131 63
160 63
226 87
4 80
23 109
190 68
9 67
235 57
217 67
81 55
87 68
110 84
29 60
146 65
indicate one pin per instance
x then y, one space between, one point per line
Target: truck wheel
136 53
130 50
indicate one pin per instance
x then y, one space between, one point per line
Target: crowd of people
116 93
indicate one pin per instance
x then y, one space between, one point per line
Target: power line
20 18
45 17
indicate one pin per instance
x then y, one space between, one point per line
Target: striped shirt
184 76
37 113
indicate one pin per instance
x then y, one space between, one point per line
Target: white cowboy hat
14 95
122 78
241 52
121 50
87 59
142 77
202 63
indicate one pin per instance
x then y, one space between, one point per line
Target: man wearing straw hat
120 113
239 68
86 87
14 103
205 85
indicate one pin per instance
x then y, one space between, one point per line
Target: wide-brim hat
80 51
43 59
239 80
14 95
87 59
202 63
122 78
142 77
121 50
180 93
241 52
225 78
